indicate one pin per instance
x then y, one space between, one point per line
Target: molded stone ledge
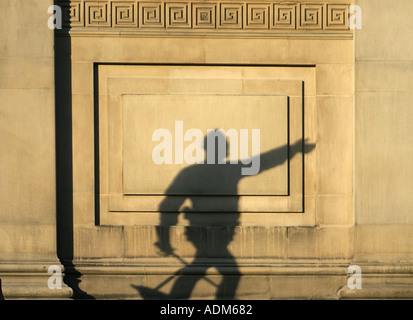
28 280
28 291
259 280
302 280
396 291
381 281
245 267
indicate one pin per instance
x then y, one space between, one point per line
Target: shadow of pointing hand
298 147
308 147
163 243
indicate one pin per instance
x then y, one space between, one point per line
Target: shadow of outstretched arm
278 156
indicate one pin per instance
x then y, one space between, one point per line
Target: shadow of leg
228 287
184 286
229 284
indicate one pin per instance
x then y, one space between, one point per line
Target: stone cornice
209 18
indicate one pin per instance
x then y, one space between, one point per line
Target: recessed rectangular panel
140 106
165 145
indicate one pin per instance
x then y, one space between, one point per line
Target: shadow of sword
177 274
144 291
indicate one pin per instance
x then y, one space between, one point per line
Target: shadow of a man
221 178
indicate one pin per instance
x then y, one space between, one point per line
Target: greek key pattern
206 16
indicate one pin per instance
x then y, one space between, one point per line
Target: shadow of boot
150 294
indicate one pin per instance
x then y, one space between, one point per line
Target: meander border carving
208 17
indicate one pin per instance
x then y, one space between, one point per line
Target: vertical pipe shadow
64 168
96 141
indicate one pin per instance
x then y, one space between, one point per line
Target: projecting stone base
30 281
257 281
395 291
382 281
283 281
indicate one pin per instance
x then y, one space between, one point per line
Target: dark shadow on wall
64 171
1 292
201 179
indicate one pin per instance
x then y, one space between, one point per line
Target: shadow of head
216 145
